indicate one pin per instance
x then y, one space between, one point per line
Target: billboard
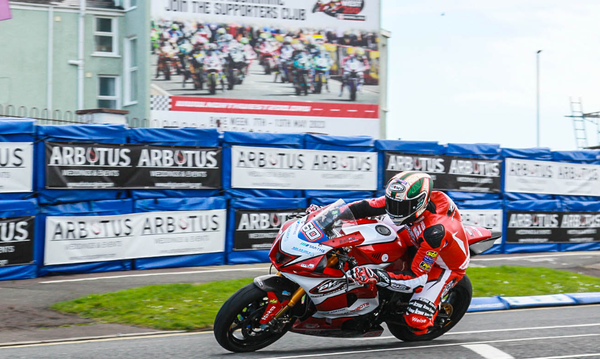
16 167
80 239
284 66
449 173
546 177
130 166
552 227
286 168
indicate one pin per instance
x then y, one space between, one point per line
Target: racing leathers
442 253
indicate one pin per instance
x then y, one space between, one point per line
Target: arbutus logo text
342 163
487 220
14 231
89 156
409 163
580 220
578 173
537 220
11 157
260 159
263 221
161 158
187 224
81 230
525 169
478 168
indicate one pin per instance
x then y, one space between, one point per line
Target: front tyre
459 298
237 325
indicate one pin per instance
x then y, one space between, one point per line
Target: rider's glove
312 208
363 275
404 285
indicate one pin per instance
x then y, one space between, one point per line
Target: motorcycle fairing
334 291
295 243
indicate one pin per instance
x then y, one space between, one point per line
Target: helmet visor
403 208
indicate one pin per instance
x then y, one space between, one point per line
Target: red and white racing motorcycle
311 293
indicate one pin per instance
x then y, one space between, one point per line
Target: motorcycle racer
430 222
354 56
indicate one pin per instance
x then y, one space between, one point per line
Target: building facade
60 56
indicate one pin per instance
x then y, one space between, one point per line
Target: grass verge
194 306
516 281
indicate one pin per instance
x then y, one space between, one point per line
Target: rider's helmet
407 195
360 52
228 37
287 40
319 39
244 41
298 46
175 27
212 47
221 31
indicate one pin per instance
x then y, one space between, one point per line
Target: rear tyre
318 84
237 325
353 92
212 85
459 297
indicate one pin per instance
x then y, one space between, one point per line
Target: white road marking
571 356
153 274
536 260
536 256
498 330
430 346
98 340
488 351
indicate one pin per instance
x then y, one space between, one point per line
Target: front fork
298 294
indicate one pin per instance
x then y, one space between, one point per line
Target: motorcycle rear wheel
459 297
237 325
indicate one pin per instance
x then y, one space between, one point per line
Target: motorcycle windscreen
327 223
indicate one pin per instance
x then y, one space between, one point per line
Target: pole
537 95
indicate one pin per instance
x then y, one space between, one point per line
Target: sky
464 71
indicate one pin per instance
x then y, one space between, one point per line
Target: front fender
282 287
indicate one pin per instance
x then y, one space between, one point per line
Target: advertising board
285 66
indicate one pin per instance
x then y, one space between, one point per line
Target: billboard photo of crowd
230 60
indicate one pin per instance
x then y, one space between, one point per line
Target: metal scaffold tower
580 119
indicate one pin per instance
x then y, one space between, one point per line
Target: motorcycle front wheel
458 298
237 325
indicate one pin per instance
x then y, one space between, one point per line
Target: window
105 36
131 71
108 92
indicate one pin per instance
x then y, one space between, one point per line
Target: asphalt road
564 332
25 303
259 86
